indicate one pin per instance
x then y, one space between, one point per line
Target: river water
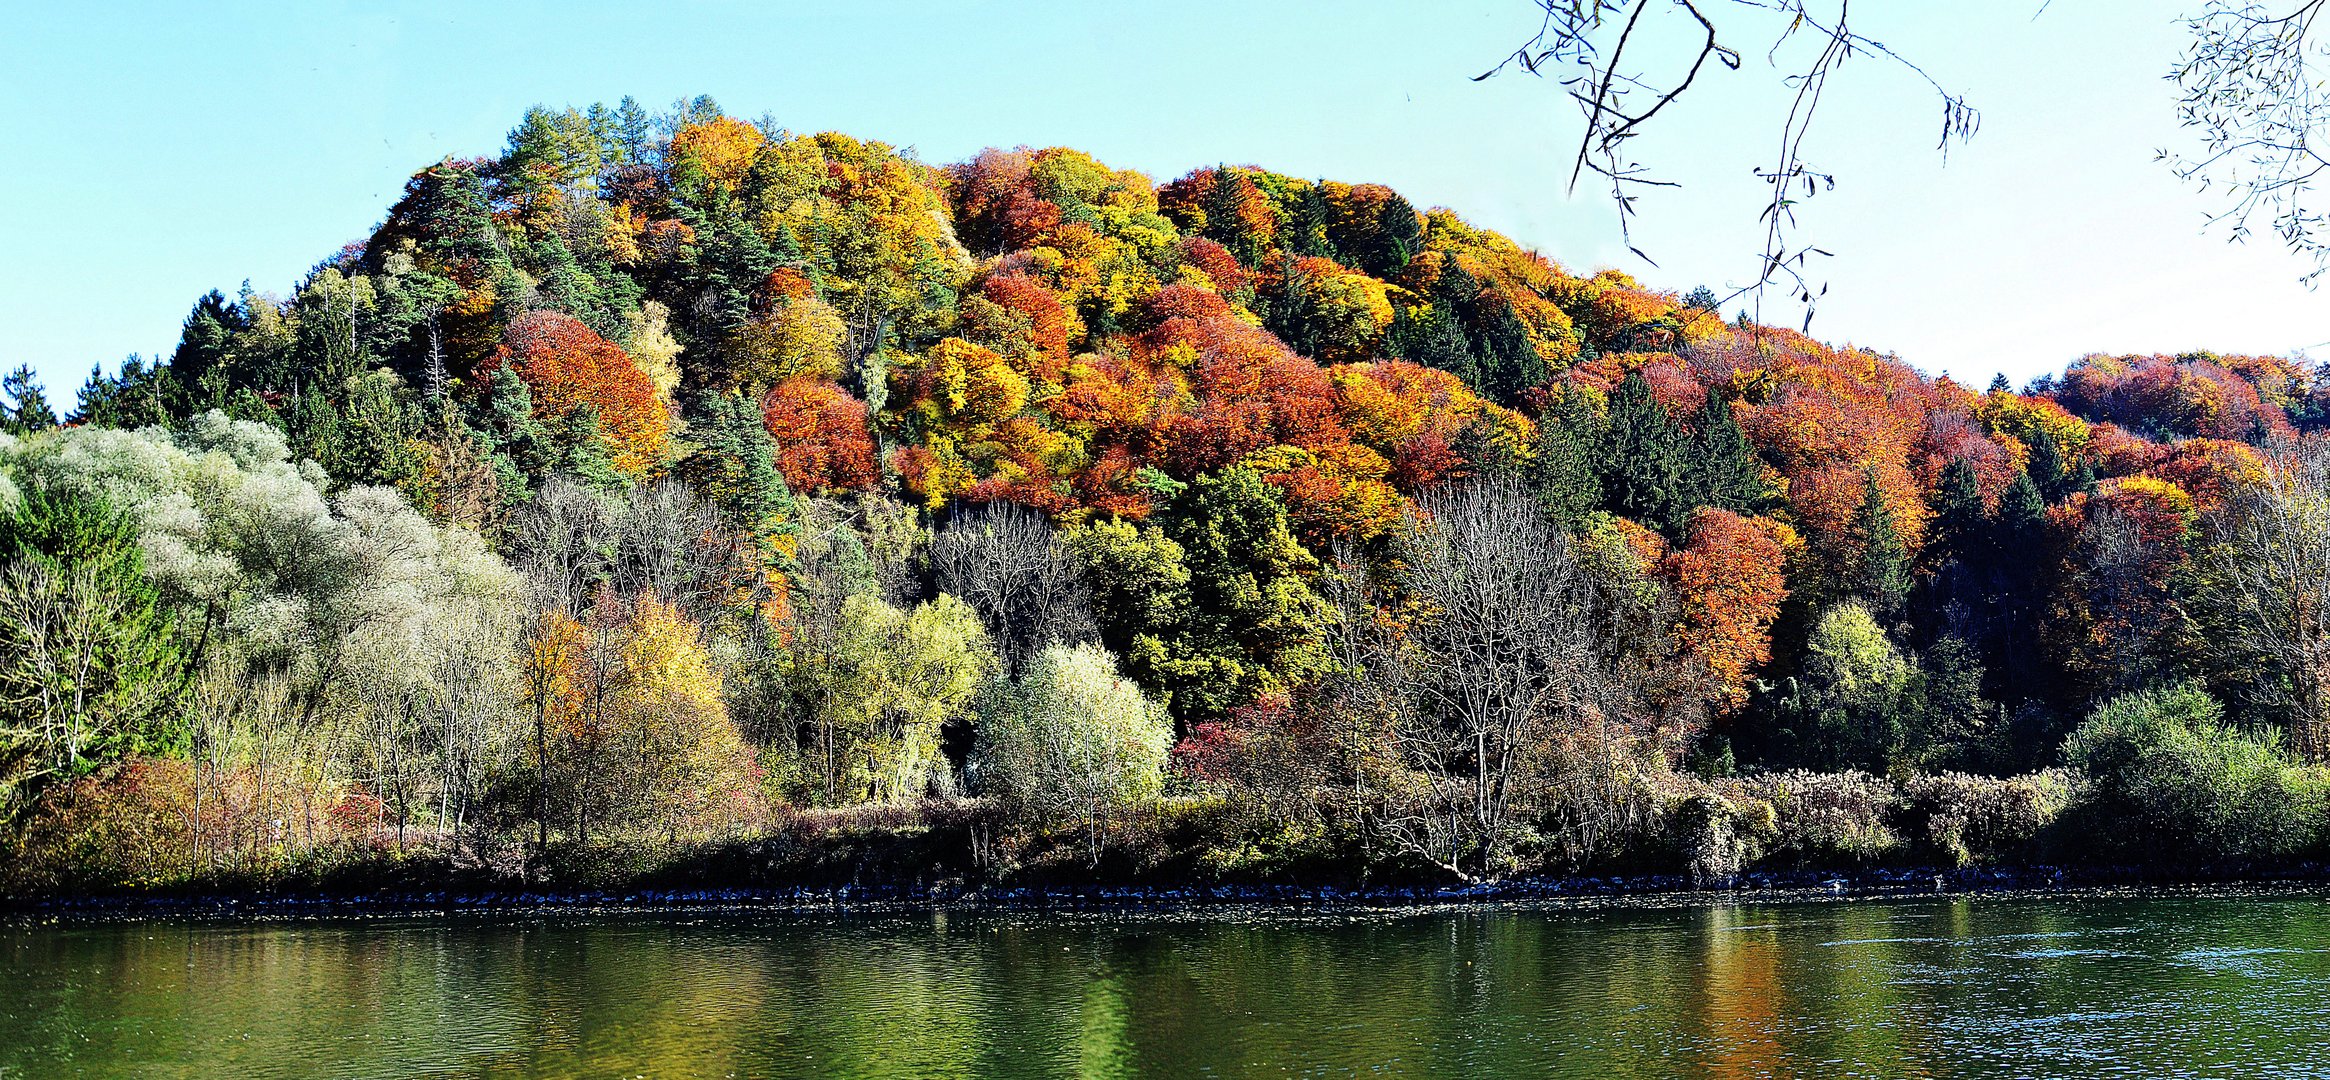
2065 985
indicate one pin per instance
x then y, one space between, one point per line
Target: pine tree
517 445
2047 468
1722 463
587 458
132 399
1223 222
1642 463
1307 231
1396 237
1957 551
1702 298
2018 546
1563 472
1881 574
734 467
1961 525
1999 385
27 409
1429 335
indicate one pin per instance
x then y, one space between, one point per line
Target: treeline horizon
671 480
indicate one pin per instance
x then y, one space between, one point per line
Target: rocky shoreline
1637 890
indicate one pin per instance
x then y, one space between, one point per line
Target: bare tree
1498 669
1008 563
2250 79
73 672
1595 48
665 541
562 541
2253 93
2268 582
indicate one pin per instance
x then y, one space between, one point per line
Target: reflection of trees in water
1986 987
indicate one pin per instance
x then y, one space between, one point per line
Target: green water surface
2068 985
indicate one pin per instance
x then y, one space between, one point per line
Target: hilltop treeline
671 477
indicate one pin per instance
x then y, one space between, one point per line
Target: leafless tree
1594 48
1498 676
2254 92
562 539
1008 563
665 541
2268 581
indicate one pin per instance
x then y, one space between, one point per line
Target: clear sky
156 151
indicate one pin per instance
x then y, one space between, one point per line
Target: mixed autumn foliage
789 471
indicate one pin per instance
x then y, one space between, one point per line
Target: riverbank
1582 891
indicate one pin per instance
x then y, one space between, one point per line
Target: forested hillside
674 481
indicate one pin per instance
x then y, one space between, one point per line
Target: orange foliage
567 366
1728 578
823 442
2193 396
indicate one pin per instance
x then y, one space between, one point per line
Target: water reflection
2151 987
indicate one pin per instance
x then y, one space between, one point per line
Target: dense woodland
673 483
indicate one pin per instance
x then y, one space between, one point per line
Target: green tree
878 688
1253 624
1643 468
1072 740
27 409
89 656
734 468
1305 230
1880 571
2205 792
132 398
1849 706
1225 222
1722 468
1565 473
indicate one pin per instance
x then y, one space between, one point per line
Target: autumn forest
679 498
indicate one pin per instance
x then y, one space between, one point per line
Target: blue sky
157 151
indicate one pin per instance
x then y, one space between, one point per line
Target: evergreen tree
1999 385
1289 314
1642 469
1224 224
1880 575
517 444
1509 363
76 559
1306 231
1702 298
1564 472
1431 335
2017 583
2047 469
1395 237
27 409
314 429
1253 624
1723 469
734 466
1483 453
587 459
1957 552
1955 726
205 342
132 399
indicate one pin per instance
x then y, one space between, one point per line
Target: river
2063 985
